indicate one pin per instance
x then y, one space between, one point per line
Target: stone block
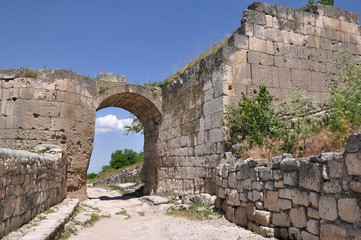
348 210
289 164
254 227
298 217
310 176
281 219
257 45
266 231
314 199
355 186
256 196
260 75
328 208
247 184
308 236
335 168
294 233
258 186
290 178
259 31
333 232
240 216
285 193
278 184
271 201
251 208
285 204
238 41
229 212
232 180
353 163
301 79
313 213
353 143
262 217
313 226
243 172
269 186
265 174
332 187
300 197
254 17
233 198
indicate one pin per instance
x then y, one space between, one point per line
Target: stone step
47 224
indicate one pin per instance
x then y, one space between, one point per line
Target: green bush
91 176
120 158
312 2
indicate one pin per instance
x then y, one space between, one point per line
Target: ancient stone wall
297 198
30 183
283 49
275 46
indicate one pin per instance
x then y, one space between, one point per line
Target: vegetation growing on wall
312 2
290 125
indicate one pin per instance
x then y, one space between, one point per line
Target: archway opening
110 136
150 117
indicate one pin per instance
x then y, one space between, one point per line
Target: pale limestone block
355 186
259 205
348 210
232 180
318 81
285 37
271 201
328 208
266 231
310 176
269 21
313 226
242 73
257 45
260 75
285 193
318 21
290 178
314 199
285 204
297 39
353 163
272 34
238 41
298 217
333 232
301 78
308 236
270 48
233 198
262 217
331 23
281 219
333 187
259 31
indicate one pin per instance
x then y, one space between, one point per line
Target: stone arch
144 103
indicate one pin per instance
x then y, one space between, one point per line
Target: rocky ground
130 217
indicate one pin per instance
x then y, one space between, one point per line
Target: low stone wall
30 183
317 197
126 176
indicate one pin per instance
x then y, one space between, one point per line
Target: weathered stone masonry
30 183
275 46
317 197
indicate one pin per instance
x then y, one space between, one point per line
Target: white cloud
110 123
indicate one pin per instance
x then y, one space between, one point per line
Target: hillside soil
128 217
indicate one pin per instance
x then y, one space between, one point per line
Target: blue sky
146 40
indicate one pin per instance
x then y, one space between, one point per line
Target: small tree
121 158
135 127
312 2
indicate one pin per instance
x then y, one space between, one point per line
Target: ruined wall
275 46
55 107
190 136
30 183
299 198
282 49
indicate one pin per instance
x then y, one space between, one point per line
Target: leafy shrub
312 2
91 176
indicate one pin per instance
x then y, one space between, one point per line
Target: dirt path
149 222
